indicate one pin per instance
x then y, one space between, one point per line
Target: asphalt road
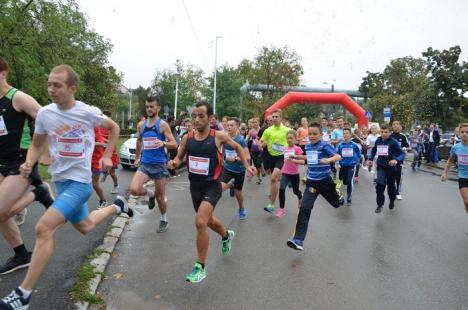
71 248
415 257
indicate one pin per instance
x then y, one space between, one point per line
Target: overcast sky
337 40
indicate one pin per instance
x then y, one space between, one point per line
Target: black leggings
285 179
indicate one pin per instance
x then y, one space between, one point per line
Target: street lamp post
130 109
176 96
215 69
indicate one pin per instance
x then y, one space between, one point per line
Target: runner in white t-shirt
68 125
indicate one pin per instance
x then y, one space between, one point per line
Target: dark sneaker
391 206
232 193
15 263
15 301
152 202
295 244
43 193
348 201
379 209
124 208
163 225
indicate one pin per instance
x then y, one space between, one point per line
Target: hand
443 177
252 170
291 158
370 163
106 163
26 169
325 161
393 163
173 164
136 163
159 143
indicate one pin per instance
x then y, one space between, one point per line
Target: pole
215 69
176 93
130 106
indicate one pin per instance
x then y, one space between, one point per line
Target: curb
107 247
436 170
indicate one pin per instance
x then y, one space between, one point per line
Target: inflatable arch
321 98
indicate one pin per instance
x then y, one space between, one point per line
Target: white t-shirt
370 142
71 139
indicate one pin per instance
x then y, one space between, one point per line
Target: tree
38 35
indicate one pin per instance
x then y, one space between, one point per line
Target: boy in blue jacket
389 154
350 157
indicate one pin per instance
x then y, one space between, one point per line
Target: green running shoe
226 248
197 274
339 183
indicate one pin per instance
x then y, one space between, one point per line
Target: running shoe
269 208
15 301
43 193
115 190
339 183
379 209
20 217
348 201
295 244
151 199
124 208
242 214
259 181
15 263
226 248
304 180
391 206
341 199
197 274
163 225
398 197
280 213
102 204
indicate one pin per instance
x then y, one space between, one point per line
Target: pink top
289 167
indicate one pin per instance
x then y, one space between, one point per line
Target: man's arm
34 152
444 175
181 152
24 103
170 140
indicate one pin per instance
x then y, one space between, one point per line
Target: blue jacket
315 169
387 150
350 153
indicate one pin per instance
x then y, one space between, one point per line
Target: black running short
205 191
238 178
256 159
8 168
274 162
462 183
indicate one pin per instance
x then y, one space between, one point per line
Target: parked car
127 152
446 138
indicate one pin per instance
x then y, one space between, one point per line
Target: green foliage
38 35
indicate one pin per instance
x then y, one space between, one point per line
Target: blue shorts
71 200
154 171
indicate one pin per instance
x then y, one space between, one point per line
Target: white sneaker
21 217
398 197
115 190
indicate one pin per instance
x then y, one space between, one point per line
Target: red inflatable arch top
321 98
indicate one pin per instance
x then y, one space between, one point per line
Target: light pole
215 69
130 109
176 96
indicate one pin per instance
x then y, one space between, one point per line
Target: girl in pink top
290 173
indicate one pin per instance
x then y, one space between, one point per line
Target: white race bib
463 159
414 145
3 129
382 150
71 147
230 153
199 165
288 153
347 152
278 148
312 157
150 143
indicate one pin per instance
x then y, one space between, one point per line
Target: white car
127 152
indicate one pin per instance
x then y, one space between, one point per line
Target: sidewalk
435 169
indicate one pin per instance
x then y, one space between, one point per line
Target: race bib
230 153
463 159
382 150
278 148
347 152
3 129
312 157
288 153
414 145
199 165
150 143
70 147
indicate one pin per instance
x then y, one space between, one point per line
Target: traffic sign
387 114
368 114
